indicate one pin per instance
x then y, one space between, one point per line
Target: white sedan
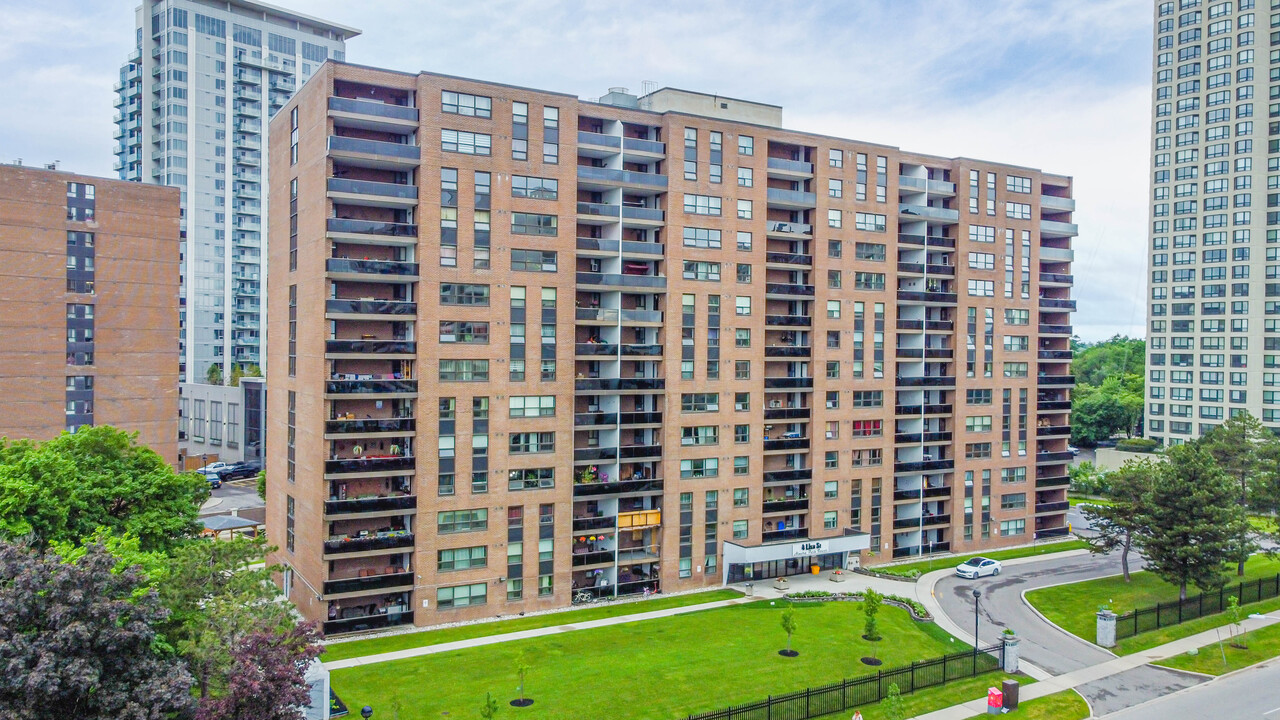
977 567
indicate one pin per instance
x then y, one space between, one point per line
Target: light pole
366 712
976 595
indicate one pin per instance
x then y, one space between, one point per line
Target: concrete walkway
526 634
1083 676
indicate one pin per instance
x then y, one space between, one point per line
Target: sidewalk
1080 677
525 634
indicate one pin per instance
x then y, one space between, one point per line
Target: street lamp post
976 595
366 712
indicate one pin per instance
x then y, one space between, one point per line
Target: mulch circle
788 653
526 702
872 661
871 639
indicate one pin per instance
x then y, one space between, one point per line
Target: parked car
977 567
212 467
237 471
1073 449
212 477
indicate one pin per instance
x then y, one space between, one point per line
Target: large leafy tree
266 679
1096 417
1192 523
68 488
1109 389
76 641
1117 525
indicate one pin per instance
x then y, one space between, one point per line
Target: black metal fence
1209 603
866 690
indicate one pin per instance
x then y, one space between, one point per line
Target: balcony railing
793 166
632 452
788 534
1055 329
802 413
639 519
1050 481
370 387
783 351
624 246
366 505
616 487
368 425
788 475
788 320
371 227
640 418
626 212
922 437
595 349
371 267
622 177
642 145
775 227
591 454
371 188
613 315
772 506
1055 355
1052 507
370 307
587 524
368 464
929 213
788 382
925 521
924 493
927 381
403 580
1056 278
361 146
641 350
1055 379
1054 457
399 539
939 409
622 280
926 240
924 465
593 558
786 444
369 107
790 198
920 296
1053 431
374 347
1057 304
599 139
619 384
788 289
368 622
1053 405
788 258
594 419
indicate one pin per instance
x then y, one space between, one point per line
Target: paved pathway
525 634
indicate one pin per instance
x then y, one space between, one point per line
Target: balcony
1055 355
922 521
617 281
640 145
1053 228
913 550
593 454
1054 203
590 140
925 269
924 466
367 622
374 153
922 437
783 168
625 487
614 213
785 444
1053 254
781 258
594 349
605 557
790 199
1052 481
788 290
1055 330
620 384
927 381
611 316
1052 507
369 426
361 230
934 187
370 347
392 308
361 585
1053 457
784 535
595 419
801 475
788 320
372 115
639 519
939 325
616 247
934 241
369 465
609 177
372 194
909 212
371 505
360 270
923 493
382 541
641 350
1055 279
788 351
782 383
774 506
639 418
587 524
914 296
1056 380
1053 405
802 413
788 230
371 387
639 452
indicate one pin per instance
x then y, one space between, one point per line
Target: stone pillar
1011 653
1106 635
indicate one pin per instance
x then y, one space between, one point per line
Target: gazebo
216 525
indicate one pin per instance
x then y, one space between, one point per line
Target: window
868 281
1017 317
745 177
532 443
866 428
869 222
1013 183
533 260
699 468
701 237
535 188
700 435
462 558
741 434
833 218
531 478
977 423
458 521
464 104
833 309
742 337
741 497
869 251
830 519
742 305
742 370
467 143
746 145
741 402
744 210
1015 369
709 271
532 405
533 224
982 288
701 204
982 261
700 402
474 333
461 596
831 490
977 451
459 294
741 465
977 397
1013 527
1013 501
464 371
868 398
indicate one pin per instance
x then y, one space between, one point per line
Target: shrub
1143 445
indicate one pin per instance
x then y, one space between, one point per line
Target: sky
1059 85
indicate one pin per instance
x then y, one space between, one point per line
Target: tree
214 374
237 373
262 485
267 678
789 627
66 488
1109 389
1192 523
894 708
870 606
1087 480
489 710
1236 615
522 670
75 641
1096 417
1239 446
1117 525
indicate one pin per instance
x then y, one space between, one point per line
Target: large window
462 558
533 260
467 143
532 405
700 402
460 331
459 294
457 521
699 468
535 187
701 204
461 596
533 224
531 479
464 104
464 371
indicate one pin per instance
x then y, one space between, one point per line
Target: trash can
1010 689
815 569
751 589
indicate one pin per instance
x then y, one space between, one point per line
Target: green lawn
1262 523
923 566
391 643
926 701
1073 607
1065 705
662 668
1264 644
1086 500
1148 640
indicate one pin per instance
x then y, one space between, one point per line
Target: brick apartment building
528 346
88 306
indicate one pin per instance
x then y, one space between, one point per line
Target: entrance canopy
841 545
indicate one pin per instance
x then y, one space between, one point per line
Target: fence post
913 676
1201 604
768 709
944 668
807 693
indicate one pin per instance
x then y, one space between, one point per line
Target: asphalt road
1043 644
1252 694
235 495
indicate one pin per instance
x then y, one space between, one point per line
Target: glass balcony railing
802 474
400 580
371 227
370 107
374 347
373 189
370 307
599 140
622 177
369 425
370 387
369 464
645 146
790 198
791 166
364 505
381 541
371 267
361 146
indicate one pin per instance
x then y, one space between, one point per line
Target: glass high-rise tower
194 100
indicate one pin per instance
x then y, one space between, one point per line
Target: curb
1023 596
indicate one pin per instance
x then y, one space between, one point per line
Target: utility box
995 701
1010 691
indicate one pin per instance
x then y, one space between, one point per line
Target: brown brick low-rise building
88 306
527 348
